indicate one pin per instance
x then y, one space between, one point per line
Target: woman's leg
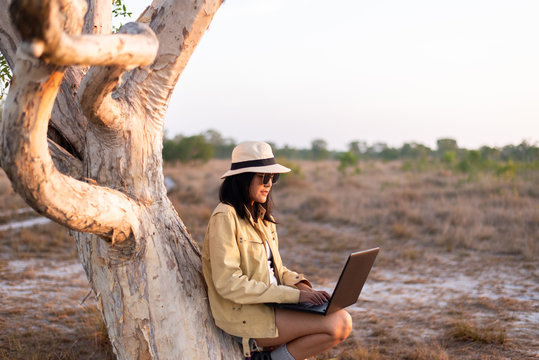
308 334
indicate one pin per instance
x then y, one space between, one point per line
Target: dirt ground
435 292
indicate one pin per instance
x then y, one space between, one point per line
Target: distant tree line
211 144
197 148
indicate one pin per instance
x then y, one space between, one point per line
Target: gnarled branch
60 43
27 162
25 157
95 92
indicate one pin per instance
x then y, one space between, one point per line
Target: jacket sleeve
291 278
227 276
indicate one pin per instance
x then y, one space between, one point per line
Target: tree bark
103 177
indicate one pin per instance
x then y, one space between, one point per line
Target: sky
393 71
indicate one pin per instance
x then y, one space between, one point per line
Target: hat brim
272 169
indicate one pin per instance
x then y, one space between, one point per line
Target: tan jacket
234 262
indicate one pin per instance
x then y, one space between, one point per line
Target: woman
243 269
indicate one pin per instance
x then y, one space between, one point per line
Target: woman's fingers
326 295
320 298
309 296
316 299
313 296
305 296
323 296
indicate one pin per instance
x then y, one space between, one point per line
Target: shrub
449 157
508 169
346 160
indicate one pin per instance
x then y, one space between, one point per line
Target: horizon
345 147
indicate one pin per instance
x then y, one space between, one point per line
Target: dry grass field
456 278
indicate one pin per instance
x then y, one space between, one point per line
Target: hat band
252 163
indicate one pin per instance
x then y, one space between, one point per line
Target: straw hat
256 157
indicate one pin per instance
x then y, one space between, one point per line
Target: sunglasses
267 176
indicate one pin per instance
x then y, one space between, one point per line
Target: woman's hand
308 294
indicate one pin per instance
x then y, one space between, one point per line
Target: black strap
252 163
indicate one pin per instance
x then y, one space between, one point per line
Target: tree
358 147
84 149
195 148
414 151
286 151
319 149
188 149
389 154
489 153
348 159
222 147
446 145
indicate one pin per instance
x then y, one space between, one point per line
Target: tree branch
46 33
95 96
95 92
66 163
98 18
127 50
58 43
67 119
27 162
47 38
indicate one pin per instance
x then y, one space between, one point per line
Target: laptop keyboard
311 305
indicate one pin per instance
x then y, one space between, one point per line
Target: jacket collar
261 212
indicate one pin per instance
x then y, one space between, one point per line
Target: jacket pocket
246 241
253 257
254 247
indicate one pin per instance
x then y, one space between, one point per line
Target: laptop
346 292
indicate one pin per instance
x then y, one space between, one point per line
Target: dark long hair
234 191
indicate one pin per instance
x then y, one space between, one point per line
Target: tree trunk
99 172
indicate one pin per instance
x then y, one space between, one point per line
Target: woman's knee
342 325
